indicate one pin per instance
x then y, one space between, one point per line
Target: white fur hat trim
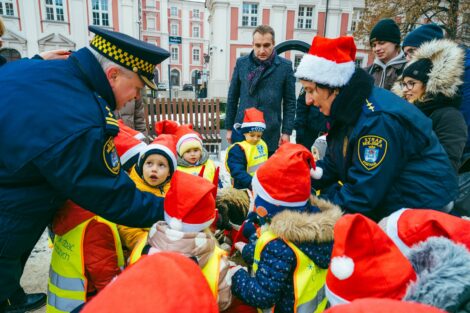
323 71
316 173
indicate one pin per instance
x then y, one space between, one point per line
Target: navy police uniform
384 152
57 143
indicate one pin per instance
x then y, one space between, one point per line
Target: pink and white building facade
232 23
34 26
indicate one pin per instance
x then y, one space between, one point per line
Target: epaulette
370 107
112 126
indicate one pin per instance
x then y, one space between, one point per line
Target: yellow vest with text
309 280
255 155
67 284
209 171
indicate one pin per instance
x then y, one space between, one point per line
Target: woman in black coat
431 82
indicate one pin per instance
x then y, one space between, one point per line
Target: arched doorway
10 54
175 77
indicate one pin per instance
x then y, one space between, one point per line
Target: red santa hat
365 263
163 282
374 305
190 203
187 138
291 163
163 145
408 227
128 147
253 121
134 133
329 61
166 127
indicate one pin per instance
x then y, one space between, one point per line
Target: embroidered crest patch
110 156
371 151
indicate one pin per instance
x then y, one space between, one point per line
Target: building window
55 10
196 31
6 8
305 17
196 55
356 18
297 59
174 30
100 12
150 23
150 4
196 13
174 54
174 11
250 14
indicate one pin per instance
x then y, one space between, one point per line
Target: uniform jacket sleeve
366 188
289 102
101 261
274 270
77 168
232 98
236 162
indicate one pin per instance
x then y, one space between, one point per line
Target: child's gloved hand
239 246
235 268
250 224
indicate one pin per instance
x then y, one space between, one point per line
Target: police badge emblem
371 151
110 156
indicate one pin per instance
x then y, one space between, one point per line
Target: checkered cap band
124 58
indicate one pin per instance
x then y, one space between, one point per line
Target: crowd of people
358 216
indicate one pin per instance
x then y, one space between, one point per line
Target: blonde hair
2 27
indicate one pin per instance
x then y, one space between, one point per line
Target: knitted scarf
257 72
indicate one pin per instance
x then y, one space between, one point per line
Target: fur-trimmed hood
303 227
443 270
446 74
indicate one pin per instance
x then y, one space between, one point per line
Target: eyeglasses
408 85
409 52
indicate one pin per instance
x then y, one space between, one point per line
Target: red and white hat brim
333 298
156 146
260 191
254 124
177 224
323 71
129 154
392 230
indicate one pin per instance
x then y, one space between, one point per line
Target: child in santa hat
367 263
189 211
152 173
193 158
245 157
291 253
99 257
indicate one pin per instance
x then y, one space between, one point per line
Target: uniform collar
94 75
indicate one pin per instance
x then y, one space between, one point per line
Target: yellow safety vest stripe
255 155
212 270
67 284
137 252
309 279
209 170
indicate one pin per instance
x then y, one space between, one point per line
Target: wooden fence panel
203 114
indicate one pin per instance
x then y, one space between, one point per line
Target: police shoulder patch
110 156
371 151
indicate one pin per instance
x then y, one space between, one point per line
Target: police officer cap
133 54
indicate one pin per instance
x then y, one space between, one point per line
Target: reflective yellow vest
309 279
67 284
211 270
209 171
255 155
